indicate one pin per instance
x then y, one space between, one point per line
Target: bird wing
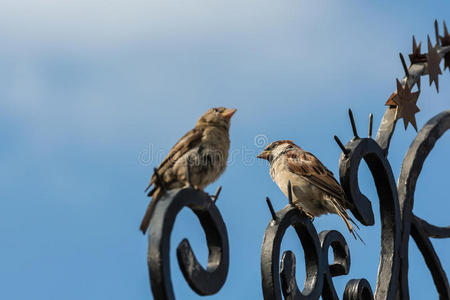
311 169
191 139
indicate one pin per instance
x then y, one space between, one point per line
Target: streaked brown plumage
206 146
314 189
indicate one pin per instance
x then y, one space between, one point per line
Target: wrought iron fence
398 222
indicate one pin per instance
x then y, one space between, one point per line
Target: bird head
218 116
275 149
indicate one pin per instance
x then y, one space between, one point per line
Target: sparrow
204 149
315 191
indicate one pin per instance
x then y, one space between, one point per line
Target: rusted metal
406 105
433 61
416 57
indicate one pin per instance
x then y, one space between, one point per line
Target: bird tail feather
148 186
149 211
347 219
150 194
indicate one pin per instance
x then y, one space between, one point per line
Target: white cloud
106 70
112 21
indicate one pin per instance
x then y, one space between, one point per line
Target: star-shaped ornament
445 41
406 105
433 59
391 100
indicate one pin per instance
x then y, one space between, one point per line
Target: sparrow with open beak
203 149
315 191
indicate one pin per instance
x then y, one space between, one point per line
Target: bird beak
228 113
264 155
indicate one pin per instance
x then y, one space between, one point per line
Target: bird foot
188 185
310 216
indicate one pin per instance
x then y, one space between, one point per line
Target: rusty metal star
406 105
445 41
391 100
433 59
418 83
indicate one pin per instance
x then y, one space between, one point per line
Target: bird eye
216 110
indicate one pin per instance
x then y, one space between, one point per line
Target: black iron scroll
396 203
397 221
369 150
419 229
203 282
318 271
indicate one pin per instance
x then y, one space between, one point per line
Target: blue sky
89 88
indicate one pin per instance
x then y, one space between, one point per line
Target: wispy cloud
107 71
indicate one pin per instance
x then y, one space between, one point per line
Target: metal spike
370 125
416 47
289 187
445 29
338 141
352 121
405 68
160 181
436 31
216 195
272 211
416 56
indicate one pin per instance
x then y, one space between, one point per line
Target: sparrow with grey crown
204 149
315 191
